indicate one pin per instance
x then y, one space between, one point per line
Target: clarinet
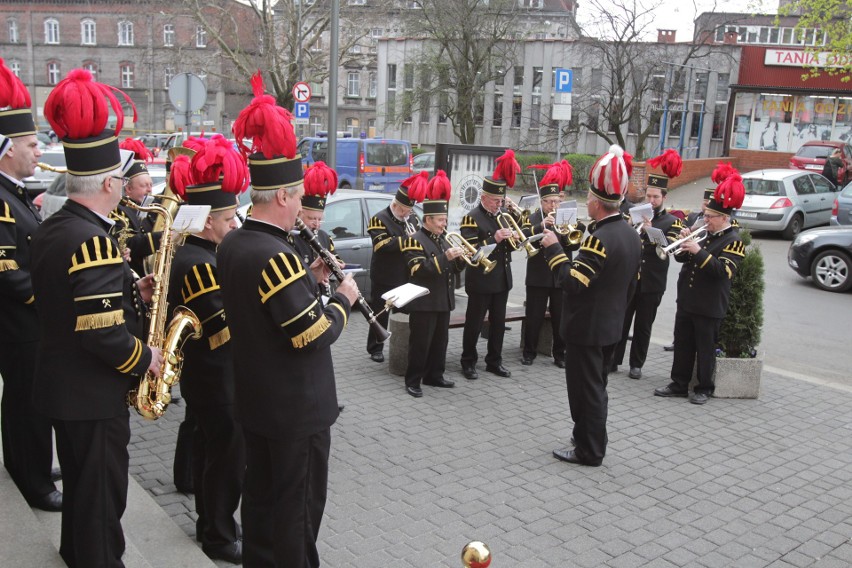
310 237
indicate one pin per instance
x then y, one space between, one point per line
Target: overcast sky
679 14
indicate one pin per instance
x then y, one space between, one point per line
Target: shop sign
799 58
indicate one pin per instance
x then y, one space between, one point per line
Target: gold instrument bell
476 554
470 254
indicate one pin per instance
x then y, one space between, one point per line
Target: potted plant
738 366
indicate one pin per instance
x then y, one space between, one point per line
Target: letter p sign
564 79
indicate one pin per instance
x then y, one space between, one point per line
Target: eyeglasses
124 181
712 216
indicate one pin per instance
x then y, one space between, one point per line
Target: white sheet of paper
484 252
656 236
566 213
641 213
401 295
191 218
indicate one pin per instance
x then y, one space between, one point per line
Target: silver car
786 201
841 214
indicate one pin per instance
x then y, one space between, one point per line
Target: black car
824 254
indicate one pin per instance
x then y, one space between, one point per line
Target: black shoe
416 392
669 347
526 361
443 383
699 398
570 456
232 553
51 502
377 357
559 363
340 407
668 391
498 370
469 372
635 373
55 474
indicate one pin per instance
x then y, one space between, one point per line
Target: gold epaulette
594 245
735 224
736 247
375 224
200 280
97 251
410 244
281 271
6 214
7 263
468 222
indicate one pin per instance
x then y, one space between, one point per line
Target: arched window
88 35
125 33
51 31
13 31
92 68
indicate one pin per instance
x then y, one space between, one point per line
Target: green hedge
581 164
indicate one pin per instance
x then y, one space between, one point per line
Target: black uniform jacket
600 280
654 274
478 229
704 283
141 241
18 222
387 266
430 268
90 352
281 334
304 249
207 377
539 273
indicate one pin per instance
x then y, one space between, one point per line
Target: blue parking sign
302 110
564 79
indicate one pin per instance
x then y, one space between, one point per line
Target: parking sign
564 79
302 112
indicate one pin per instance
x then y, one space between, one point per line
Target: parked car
156 141
824 255
813 154
423 163
786 201
42 178
347 216
841 213
374 164
51 200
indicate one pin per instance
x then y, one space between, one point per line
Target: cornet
517 240
471 256
675 248
573 234
410 229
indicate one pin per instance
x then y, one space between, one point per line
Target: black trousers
477 306
695 339
377 304
427 347
586 378
26 434
182 466
641 312
94 460
284 499
537 301
218 469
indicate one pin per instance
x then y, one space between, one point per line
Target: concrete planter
738 378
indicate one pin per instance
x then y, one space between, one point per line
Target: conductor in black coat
26 433
91 352
597 285
433 264
285 384
207 379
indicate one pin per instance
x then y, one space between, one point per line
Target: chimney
731 38
666 36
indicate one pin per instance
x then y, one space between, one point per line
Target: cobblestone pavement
747 483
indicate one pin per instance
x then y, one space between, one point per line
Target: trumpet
506 221
410 229
49 168
471 256
573 234
676 247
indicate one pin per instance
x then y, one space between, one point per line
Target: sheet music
484 252
641 213
656 236
401 295
191 218
566 213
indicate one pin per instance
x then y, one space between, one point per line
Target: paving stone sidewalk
744 483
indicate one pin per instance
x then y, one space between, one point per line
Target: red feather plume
731 192
506 168
722 171
180 175
78 107
140 151
320 180
669 161
195 143
219 160
266 124
439 187
560 174
13 92
417 186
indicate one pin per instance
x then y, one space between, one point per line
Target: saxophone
153 394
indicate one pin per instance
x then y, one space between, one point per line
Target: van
374 164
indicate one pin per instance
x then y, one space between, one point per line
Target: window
722 87
497 119
200 36
425 98
374 85
53 73
353 84
13 31
125 33
701 85
376 32
169 35
87 32
408 85
355 48
168 76
92 68
391 105
15 67
787 36
126 76
535 102
51 32
517 96
357 2
774 34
